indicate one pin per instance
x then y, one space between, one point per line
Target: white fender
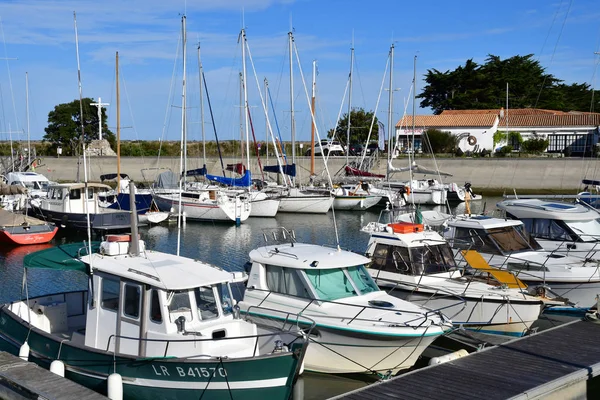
57 367
24 352
115 387
448 357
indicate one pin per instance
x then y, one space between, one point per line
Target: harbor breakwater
529 174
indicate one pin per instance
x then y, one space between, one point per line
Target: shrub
535 145
504 151
436 141
459 152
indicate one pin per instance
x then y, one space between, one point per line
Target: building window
132 301
110 294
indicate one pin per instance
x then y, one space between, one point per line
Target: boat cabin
555 221
36 184
71 198
151 305
305 271
404 248
489 235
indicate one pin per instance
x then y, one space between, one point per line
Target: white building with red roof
576 131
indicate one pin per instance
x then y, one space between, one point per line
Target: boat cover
110 177
196 172
287 169
590 182
12 189
245 180
9 219
357 172
239 168
64 257
167 180
476 261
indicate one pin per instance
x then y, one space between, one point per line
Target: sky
38 38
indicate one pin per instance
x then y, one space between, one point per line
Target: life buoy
407 189
472 140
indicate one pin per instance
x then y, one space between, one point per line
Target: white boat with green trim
359 328
167 325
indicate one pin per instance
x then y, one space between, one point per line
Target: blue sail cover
143 202
243 181
287 169
196 172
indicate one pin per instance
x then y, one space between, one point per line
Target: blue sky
563 35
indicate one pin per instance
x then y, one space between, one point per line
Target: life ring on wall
472 140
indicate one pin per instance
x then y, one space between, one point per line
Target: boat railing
279 235
294 320
419 316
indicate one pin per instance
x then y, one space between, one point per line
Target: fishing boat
22 229
67 207
418 265
507 245
167 325
565 228
359 328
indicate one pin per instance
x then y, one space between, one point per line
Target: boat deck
25 380
557 362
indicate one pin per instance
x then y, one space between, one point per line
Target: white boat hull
234 210
263 205
355 203
494 316
310 204
153 217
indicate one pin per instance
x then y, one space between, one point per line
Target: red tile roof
516 111
447 121
550 120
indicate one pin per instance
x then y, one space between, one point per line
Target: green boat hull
265 377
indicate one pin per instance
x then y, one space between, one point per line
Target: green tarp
64 257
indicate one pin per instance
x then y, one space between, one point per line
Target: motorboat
507 245
22 229
418 265
359 328
167 325
68 207
565 228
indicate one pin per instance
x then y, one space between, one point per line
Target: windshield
338 283
588 231
432 259
508 239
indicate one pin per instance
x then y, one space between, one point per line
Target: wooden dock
25 380
556 363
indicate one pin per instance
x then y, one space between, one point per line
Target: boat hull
263 205
305 204
267 377
230 211
355 203
104 221
582 294
495 316
35 234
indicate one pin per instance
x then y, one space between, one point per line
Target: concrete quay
523 174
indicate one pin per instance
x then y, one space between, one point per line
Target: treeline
475 86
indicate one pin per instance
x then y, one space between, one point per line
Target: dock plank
30 379
514 368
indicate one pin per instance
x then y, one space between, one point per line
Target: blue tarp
287 169
243 181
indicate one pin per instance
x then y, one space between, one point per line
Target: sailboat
294 199
205 203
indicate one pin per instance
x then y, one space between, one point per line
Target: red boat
22 229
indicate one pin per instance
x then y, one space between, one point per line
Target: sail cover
287 169
243 181
357 172
418 169
196 172
239 168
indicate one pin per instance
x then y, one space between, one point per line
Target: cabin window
528 237
206 303
110 294
474 239
361 278
588 231
131 307
431 259
331 284
75 194
547 229
226 298
155 310
179 302
391 259
90 194
286 281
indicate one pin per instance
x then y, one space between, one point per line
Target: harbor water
226 246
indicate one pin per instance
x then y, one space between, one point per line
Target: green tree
474 86
436 141
360 123
64 126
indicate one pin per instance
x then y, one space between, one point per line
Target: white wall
484 136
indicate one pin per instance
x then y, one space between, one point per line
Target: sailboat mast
183 98
27 110
266 108
246 123
201 73
349 101
413 104
312 124
241 107
390 111
118 125
292 117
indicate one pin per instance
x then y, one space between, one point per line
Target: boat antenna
82 140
